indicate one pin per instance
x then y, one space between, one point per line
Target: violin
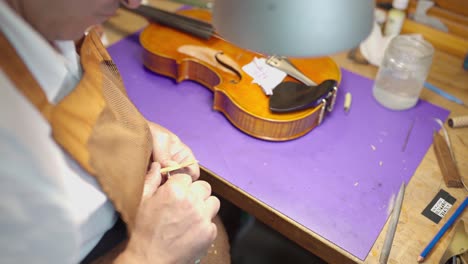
184 46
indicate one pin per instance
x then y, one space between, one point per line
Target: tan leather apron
101 129
96 123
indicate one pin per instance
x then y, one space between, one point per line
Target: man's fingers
152 180
193 170
181 153
212 205
182 183
201 189
186 155
168 163
179 183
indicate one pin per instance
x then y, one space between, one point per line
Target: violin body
217 65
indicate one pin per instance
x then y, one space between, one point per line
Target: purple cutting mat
336 181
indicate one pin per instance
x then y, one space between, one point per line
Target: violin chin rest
292 96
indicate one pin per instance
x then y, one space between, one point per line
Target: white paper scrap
266 76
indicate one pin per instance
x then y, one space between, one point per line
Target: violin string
190 25
202 30
193 25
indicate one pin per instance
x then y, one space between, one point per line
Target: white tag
441 207
266 76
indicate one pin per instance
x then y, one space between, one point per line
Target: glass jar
403 71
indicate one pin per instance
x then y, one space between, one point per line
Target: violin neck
189 25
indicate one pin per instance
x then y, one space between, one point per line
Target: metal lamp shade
296 28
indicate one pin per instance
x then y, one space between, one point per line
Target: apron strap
19 74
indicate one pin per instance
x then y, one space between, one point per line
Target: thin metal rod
407 136
387 246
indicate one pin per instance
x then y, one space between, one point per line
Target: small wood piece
447 164
179 166
347 102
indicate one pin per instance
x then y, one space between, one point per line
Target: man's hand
168 150
174 221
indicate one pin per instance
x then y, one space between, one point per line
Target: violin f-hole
229 67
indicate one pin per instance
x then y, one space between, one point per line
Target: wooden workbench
414 231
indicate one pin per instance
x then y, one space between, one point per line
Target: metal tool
387 246
285 65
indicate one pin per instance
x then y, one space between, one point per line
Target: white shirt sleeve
34 225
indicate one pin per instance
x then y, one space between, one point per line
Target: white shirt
51 210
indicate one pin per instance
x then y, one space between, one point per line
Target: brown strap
19 74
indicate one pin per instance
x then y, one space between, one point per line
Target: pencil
443 93
387 246
443 230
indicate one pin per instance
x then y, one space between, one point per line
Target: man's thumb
152 181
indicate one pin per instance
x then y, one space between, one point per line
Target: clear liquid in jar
397 94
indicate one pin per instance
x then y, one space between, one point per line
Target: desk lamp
295 28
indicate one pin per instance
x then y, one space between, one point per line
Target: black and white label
439 206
